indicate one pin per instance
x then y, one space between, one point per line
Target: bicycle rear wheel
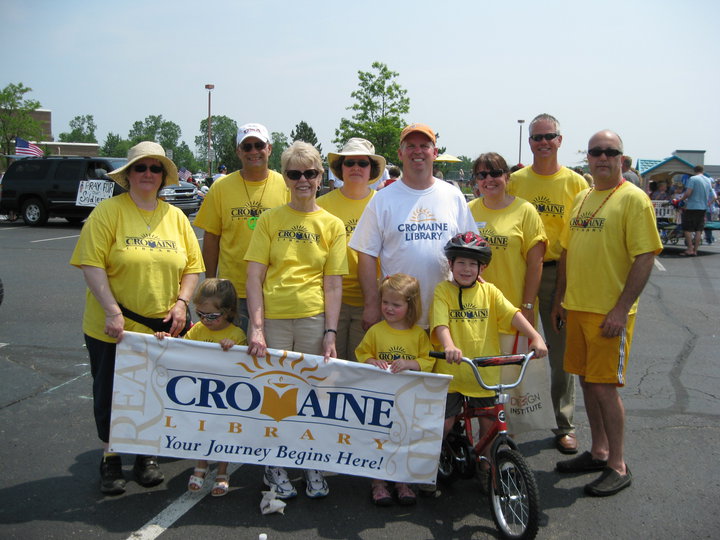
514 497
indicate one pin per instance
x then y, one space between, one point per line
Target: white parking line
659 266
183 504
57 238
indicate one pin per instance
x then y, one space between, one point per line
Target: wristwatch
527 306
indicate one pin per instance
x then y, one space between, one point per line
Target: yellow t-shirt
474 329
144 267
511 232
383 342
552 196
230 210
349 210
200 332
601 249
299 249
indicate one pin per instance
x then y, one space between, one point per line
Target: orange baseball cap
420 128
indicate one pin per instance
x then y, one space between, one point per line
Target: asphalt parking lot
50 455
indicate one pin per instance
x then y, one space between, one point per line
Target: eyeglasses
209 316
359 162
141 168
609 152
248 146
547 136
495 173
295 175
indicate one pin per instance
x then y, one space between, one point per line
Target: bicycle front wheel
514 496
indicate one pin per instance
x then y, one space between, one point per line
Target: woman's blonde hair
221 291
409 288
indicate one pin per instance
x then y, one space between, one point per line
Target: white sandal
222 485
196 482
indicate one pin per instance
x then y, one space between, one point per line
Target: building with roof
675 167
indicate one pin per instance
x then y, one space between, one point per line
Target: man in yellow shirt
551 188
609 247
232 207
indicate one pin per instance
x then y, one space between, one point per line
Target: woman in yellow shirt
296 260
141 261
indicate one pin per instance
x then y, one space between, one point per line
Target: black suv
38 188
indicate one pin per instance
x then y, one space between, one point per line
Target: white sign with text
189 399
92 192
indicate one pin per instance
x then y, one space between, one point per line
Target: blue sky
646 69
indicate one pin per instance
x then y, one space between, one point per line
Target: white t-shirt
408 229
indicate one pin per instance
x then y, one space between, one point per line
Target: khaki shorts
300 335
454 401
588 354
350 332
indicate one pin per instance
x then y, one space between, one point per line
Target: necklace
148 222
584 223
255 212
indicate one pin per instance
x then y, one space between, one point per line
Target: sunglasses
359 162
248 146
295 175
609 152
209 316
495 173
141 168
546 136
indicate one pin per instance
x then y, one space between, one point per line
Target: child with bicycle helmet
466 317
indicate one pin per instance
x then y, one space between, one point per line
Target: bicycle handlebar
499 360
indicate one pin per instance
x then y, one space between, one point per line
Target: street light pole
209 88
521 122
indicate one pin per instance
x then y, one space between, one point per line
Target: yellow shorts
588 354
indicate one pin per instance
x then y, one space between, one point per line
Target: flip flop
195 483
221 485
686 254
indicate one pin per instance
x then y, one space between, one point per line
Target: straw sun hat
146 149
357 147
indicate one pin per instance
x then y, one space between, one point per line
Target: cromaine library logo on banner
189 399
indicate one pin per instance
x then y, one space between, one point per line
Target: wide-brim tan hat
146 149
357 147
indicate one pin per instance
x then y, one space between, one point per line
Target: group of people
286 270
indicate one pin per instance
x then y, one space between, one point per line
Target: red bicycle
512 490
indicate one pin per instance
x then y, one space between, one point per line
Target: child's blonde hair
409 288
221 291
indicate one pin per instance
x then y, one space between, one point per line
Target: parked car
44 187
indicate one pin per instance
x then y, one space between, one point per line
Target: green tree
279 143
380 103
303 132
15 118
223 137
184 157
154 128
82 130
115 146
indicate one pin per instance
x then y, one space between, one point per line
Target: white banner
189 399
92 192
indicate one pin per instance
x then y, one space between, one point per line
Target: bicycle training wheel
514 500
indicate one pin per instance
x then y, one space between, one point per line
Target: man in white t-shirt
407 224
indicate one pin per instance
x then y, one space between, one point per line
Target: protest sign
189 399
92 192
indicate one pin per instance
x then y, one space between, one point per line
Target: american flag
25 148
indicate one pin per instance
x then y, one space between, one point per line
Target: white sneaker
316 486
277 477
